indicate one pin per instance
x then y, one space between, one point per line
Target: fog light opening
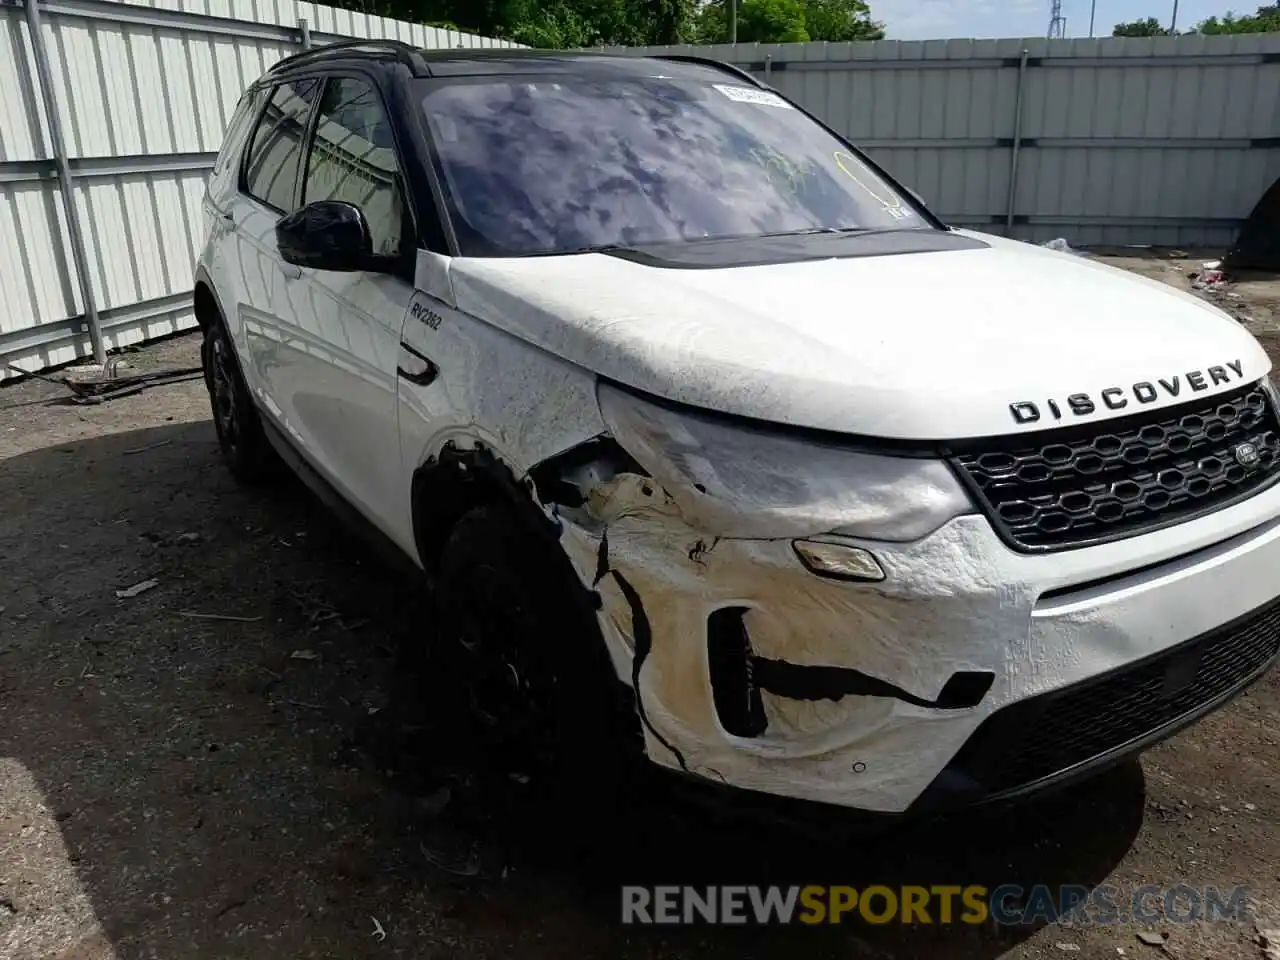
729 658
835 561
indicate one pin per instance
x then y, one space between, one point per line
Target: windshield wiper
845 231
602 248
807 231
570 251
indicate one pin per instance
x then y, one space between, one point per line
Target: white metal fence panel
1163 141
144 92
1167 141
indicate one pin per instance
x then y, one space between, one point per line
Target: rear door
221 254
269 190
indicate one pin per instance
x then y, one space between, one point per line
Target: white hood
919 346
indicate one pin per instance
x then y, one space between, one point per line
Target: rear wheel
245 448
526 661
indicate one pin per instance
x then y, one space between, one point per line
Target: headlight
734 479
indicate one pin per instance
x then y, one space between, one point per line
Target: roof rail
738 72
406 53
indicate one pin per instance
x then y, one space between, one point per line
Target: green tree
551 23
671 21
771 21
840 20
558 27
582 23
759 21
1266 20
710 24
1150 27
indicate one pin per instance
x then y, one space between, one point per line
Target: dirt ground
173 786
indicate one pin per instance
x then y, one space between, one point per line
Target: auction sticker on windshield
749 95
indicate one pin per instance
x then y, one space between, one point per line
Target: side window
276 151
237 130
353 158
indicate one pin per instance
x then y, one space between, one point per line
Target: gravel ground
279 786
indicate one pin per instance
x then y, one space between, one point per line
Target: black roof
508 61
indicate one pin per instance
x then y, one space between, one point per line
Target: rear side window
353 158
276 151
237 129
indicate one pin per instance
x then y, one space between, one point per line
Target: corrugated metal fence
1163 141
1166 141
143 94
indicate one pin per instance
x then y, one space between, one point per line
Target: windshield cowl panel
565 163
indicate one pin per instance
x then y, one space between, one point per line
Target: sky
938 19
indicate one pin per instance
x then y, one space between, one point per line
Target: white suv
689 408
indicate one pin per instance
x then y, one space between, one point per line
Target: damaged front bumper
968 672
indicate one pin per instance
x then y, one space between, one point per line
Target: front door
342 383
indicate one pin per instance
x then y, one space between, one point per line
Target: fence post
1017 144
304 29
65 183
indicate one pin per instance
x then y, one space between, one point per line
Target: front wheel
524 653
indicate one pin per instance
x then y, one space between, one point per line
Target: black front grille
1047 735
1082 485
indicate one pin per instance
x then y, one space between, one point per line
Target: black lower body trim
324 491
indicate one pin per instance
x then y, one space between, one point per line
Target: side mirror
326 235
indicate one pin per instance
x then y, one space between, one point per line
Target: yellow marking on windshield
843 160
777 163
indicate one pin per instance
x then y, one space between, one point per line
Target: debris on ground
317 610
378 933
1210 278
304 655
128 593
97 385
187 538
468 867
1060 245
1068 947
150 446
220 616
1151 939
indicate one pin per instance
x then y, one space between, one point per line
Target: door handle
291 271
414 367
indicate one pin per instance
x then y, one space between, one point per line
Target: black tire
245 448
520 642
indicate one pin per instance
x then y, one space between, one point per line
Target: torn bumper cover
967 672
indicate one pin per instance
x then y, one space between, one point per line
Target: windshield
556 164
